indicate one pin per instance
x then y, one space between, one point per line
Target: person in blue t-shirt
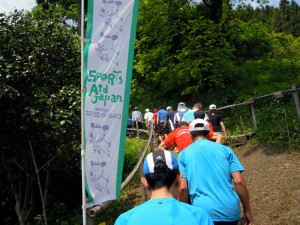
189 115
161 118
162 178
211 173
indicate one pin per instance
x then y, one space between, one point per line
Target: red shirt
154 117
211 130
180 137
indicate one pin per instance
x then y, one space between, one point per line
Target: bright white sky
11 5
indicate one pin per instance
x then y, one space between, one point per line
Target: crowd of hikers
202 183
165 120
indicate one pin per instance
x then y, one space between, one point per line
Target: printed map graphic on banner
108 60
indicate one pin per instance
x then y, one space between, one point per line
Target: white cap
181 104
212 106
199 124
147 110
182 107
169 107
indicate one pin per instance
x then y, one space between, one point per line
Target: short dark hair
162 177
201 133
182 123
199 114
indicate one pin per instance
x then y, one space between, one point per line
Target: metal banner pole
82 118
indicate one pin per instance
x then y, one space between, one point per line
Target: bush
131 156
277 121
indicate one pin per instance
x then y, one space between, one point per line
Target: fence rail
239 139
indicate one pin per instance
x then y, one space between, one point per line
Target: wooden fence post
137 128
143 190
89 220
254 117
151 137
296 98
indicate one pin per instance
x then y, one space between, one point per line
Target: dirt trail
273 180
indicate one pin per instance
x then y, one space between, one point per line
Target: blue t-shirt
189 115
162 113
129 121
207 166
166 211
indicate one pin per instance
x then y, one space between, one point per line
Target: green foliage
238 120
193 58
40 88
39 100
64 9
190 50
278 71
284 19
252 41
41 92
277 121
132 147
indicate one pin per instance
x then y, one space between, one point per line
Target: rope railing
251 100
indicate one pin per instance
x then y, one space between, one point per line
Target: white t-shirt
148 117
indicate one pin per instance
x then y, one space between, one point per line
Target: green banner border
90 16
126 91
127 96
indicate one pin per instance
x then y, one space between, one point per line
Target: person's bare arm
162 146
242 191
183 191
217 137
224 130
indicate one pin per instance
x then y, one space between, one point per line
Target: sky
11 5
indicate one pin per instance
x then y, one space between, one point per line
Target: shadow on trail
269 149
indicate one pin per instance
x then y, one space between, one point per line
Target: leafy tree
69 10
252 41
40 106
192 54
284 19
279 70
157 47
216 9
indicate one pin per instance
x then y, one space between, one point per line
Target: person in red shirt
180 138
155 118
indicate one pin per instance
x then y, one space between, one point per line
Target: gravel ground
273 179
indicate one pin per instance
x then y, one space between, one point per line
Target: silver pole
82 118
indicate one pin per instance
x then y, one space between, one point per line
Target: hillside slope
273 180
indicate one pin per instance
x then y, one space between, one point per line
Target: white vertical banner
108 60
